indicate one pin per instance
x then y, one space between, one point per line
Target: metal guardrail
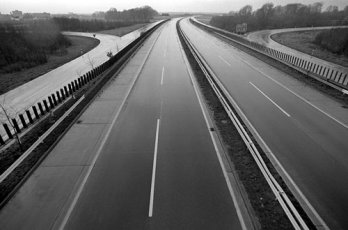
335 78
286 204
33 115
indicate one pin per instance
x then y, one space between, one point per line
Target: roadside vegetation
24 45
329 45
288 16
108 20
12 80
30 48
334 40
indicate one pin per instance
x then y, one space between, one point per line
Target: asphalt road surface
305 130
162 123
158 168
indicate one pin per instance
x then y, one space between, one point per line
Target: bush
334 40
24 45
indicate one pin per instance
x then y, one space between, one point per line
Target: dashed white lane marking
224 60
162 77
152 193
280 108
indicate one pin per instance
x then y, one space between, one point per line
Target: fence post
66 91
54 99
35 112
51 101
8 131
15 124
2 142
29 116
62 94
58 97
21 117
46 105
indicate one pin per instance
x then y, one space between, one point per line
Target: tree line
107 20
290 15
24 45
334 40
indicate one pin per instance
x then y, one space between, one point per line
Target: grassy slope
302 41
122 30
13 80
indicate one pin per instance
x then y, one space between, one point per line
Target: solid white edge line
82 185
162 76
280 108
152 193
224 60
235 202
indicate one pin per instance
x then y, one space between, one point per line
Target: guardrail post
2 142
29 116
35 112
15 124
46 105
8 131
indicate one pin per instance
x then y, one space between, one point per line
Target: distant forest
290 15
25 44
108 20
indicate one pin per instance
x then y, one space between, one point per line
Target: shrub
334 40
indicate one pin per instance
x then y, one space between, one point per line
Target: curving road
34 91
305 130
263 37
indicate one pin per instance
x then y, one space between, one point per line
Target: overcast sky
90 6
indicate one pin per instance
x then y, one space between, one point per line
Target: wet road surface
305 130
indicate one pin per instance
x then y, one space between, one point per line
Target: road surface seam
80 189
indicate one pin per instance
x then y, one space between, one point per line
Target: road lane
158 168
309 144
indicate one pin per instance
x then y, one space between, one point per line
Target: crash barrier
335 78
33 115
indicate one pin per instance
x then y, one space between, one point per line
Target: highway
156 167
306 131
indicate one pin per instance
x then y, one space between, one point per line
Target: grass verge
303 41
12 80
123 30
